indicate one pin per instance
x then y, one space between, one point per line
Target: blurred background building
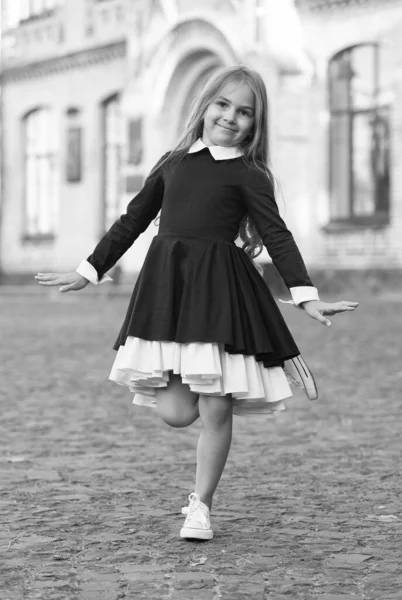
94 91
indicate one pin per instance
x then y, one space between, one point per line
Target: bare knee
174 419
215 411
176 404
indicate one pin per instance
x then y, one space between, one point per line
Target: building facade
357 92
94 91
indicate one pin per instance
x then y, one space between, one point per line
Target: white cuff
303 293
89 272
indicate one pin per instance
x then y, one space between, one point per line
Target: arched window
359 137
112 151
40 181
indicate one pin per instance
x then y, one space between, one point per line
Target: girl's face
230 116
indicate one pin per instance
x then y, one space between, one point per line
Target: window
112 150
40 174
73 145
135 141
359 137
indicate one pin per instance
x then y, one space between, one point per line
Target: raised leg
213 445
176 404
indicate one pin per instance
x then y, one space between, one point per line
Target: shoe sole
198 534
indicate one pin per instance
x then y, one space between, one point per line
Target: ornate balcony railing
52 33
327 5
34 38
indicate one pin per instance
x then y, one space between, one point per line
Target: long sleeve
260 201
123 233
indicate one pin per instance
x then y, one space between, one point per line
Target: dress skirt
201 310
143 366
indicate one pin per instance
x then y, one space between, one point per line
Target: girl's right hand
67 281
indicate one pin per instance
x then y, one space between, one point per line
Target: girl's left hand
317 309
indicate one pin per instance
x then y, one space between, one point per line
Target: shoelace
196 506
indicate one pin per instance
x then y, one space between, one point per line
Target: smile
227 128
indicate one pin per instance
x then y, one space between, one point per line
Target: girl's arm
259 198
123 233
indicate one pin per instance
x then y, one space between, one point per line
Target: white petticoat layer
143 366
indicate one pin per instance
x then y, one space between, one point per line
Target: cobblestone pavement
309 505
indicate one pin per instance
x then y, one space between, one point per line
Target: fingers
66 281
50 279
320 317
67 288
46 276
338 307
53 282
345 306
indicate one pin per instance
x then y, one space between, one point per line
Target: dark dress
196 285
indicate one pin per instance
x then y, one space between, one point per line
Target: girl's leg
213 444
176 404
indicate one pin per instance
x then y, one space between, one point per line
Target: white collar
218 152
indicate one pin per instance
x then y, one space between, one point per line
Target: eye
221 103
245 113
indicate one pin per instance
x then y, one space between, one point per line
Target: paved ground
309 505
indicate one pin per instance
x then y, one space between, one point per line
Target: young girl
203 336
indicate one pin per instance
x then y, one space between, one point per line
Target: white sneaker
185 509
197 524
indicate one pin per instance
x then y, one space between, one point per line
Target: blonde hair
254 147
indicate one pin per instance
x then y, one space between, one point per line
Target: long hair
254 147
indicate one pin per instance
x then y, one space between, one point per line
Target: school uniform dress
199 307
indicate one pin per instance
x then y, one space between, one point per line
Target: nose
230 116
